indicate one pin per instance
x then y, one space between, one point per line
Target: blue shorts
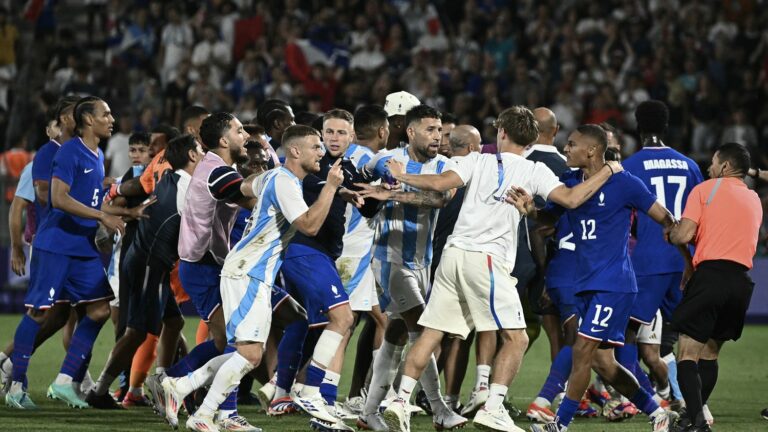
312 279
279 295
202 284
604 315
565 301
672 300
56 278
652 290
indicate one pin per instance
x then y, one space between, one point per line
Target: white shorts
247 307
357 275
472 290
650 334
402 288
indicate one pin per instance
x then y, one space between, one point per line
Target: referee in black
722 219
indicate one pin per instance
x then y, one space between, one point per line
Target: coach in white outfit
473 287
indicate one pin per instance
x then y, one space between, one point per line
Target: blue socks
196 358
643 379
80 375
558 374
644 401
566 410
672 366
23 346
315 375
289 353
80 347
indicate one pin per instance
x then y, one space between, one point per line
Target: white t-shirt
117 152
259 253
486 223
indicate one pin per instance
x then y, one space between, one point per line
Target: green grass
736 402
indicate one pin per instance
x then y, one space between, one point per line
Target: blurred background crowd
590 62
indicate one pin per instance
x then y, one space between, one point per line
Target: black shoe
105 401
248 399
764 414
423 403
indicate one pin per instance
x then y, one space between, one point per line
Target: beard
237 156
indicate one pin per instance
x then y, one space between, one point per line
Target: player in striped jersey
354 265
401 258
250 269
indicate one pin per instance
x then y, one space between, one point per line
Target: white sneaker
155 387
660 422
708 415
476 400
412 410
446 419
237 423
497 420
342 412
315 406
373 422
266 393
355 404
173 400
202 423
396 416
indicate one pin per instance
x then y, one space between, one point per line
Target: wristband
609 167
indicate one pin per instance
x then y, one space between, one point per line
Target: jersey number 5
660 182
95 201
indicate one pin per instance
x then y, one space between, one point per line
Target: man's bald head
464 139
548 126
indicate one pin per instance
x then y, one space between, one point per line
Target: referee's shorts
715 302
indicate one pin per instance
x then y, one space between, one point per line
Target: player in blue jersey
66 263
605 283
657 264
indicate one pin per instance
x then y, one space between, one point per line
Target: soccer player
323 295
723 217
212 204
65 251
148 261
473 288
658 266
250 269
354 266
401 259
605 285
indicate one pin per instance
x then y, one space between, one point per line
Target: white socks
227 378
202 376
384 368
483 376
407 385
62 379
325 350
430 379
496 397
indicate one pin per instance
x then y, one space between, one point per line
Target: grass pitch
736 402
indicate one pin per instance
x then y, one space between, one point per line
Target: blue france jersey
671 176
601 233
41 171
83 171
561 269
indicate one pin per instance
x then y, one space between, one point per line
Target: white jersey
405 231
259 253
486 223
358 230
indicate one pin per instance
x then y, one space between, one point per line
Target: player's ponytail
86 105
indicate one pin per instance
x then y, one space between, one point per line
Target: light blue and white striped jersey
405 231
259 253
358 230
